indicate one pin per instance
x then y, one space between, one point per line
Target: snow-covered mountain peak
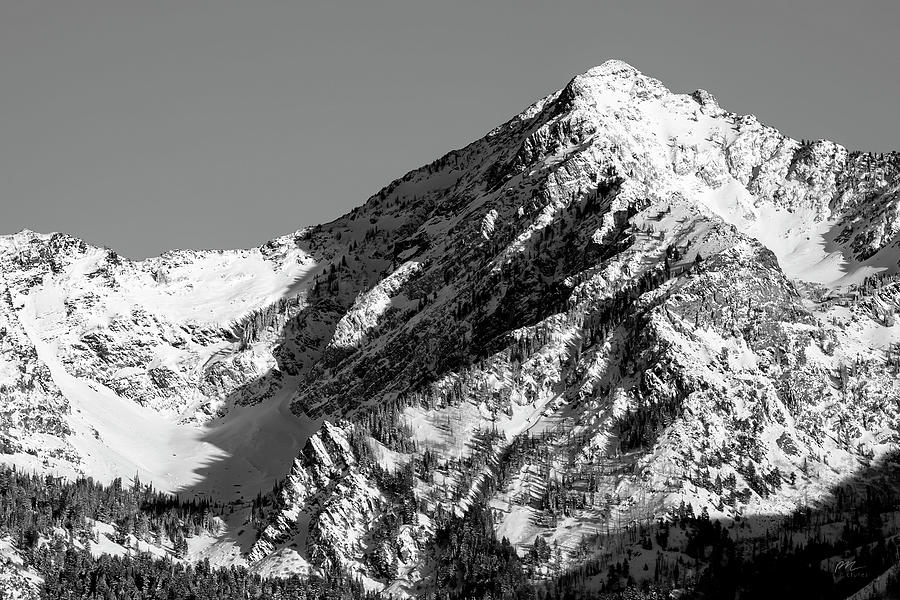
614 78
617 82
612 68
610 290
796 198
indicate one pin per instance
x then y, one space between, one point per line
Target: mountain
620 305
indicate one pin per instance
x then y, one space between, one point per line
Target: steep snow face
371 307
682 303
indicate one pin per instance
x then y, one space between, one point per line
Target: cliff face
684 304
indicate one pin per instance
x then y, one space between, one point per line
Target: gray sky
151 124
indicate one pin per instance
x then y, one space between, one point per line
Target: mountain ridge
684 304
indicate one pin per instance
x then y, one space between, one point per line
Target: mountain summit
622 305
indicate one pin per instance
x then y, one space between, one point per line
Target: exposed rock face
17 581
686 304
328 508
33 408
326 461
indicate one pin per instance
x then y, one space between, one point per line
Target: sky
147 125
